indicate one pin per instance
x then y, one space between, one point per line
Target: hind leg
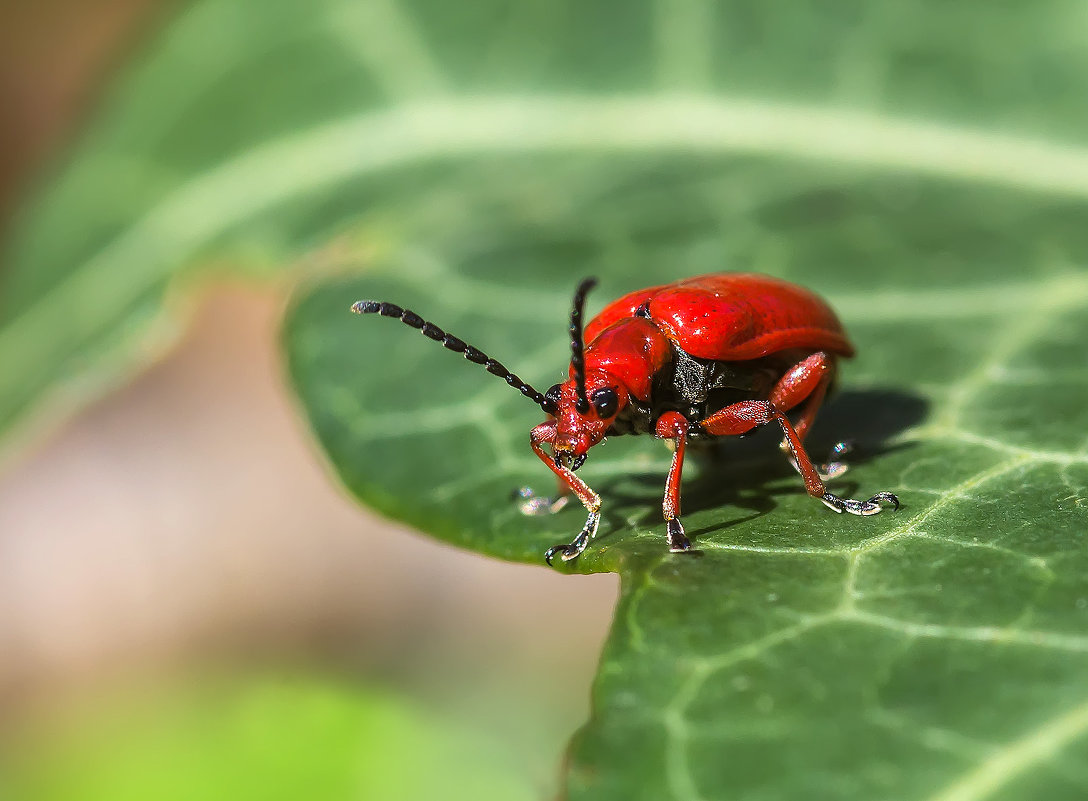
807 382
739 418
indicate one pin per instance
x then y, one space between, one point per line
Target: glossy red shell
731 317
633 350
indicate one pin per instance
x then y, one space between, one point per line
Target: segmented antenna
577 345
451 342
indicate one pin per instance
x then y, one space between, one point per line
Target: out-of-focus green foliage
249 131
259 740
924 165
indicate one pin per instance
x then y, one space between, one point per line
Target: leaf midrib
213 202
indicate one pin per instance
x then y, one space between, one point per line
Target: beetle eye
552 395
605 401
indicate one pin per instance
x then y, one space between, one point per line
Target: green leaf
242 738
473 161
938 652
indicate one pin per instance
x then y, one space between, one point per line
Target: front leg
545 434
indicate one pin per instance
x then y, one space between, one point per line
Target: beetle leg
674 426
873 506
808 381
746 415
545 434
830 469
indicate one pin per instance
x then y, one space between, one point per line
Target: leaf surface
937 652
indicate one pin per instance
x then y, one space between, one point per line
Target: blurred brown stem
54 57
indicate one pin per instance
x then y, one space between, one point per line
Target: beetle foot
830 469
566 552
873 506
678 540
573 549
529 503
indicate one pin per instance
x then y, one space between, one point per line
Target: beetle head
585 406
576 431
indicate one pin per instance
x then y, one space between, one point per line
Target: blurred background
189 608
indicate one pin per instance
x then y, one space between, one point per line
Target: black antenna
451 342
577 346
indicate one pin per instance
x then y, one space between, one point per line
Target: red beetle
712 356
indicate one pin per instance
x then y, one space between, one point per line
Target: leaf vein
212 203
1008 763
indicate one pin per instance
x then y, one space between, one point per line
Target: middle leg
674 426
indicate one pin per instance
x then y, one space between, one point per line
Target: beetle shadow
747 472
